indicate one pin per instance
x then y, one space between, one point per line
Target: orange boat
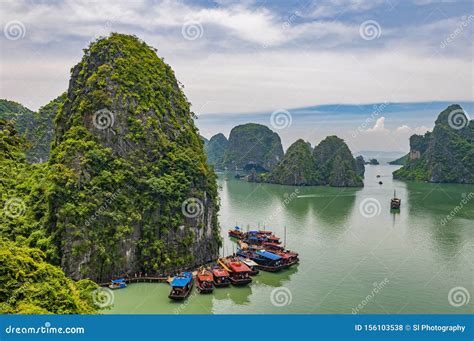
221 277
205 281
239 272
237 233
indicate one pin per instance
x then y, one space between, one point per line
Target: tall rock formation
329 163
297 167
335 164
444 155
254 144
132 191
216 148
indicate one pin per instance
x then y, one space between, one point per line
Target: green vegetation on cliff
335 164
252 143
216 148
35 127
29 285
126 158
444 155
297 166
330 163
400 161
127 188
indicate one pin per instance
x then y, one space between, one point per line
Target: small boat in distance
117 284
221 277
239 272
205 281
236 233
181 286
395 202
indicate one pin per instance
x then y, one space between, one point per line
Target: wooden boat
395 202
239 272
117 284
289 257
182 286
237 233
221 277
267 261
205 281
257 238
252 265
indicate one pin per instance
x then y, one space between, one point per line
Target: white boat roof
249 262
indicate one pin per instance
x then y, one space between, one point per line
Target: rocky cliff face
330 163
252 143
335 164
360 166
297 167
132 191
35 127
216 148
444 155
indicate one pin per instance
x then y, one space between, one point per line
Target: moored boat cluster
258 251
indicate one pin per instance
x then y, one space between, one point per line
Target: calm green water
405 262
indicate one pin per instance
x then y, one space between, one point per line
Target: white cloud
379 126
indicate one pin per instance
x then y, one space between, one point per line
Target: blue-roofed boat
267 261
117 284
237 233
182 285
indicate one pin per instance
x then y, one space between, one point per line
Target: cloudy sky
238 58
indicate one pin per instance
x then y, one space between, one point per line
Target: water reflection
238 295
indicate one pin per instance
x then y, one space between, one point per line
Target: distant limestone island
256 149
445 155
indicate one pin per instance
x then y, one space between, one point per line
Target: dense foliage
216 148
330 163
252 143
120 180
29 285
297 166
444 155
35 127
402 160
